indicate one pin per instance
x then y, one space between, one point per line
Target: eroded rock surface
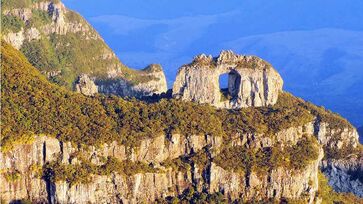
146 187
345 175
252 81
86 85
156 85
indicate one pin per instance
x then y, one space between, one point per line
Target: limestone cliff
251 82
27 161
21 168
64 47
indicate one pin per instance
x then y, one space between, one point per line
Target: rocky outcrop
86 86
278 183
27 159
337 138
152 81
251 81
345 175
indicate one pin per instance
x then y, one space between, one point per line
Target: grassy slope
66 53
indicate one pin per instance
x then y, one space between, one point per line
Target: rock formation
251 81
345 175
155 83
86 86
148 186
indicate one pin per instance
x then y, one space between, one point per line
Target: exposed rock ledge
86 85
252 81
118 86
345 175
155 85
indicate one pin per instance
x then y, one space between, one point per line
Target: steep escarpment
64 47
346 175
60 146
47 169
251 81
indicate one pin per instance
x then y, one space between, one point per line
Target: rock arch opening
229 84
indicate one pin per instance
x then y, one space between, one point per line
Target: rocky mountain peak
251 81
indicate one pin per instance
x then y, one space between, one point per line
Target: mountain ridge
63 46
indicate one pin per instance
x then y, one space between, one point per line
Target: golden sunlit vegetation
242 159
84 171
65 54
32 106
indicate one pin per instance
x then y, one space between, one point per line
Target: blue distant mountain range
316 45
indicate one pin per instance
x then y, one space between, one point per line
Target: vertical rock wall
252 81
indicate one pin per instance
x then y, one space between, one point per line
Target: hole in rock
229 84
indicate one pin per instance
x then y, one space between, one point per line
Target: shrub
11 23
12 176
242 159
85 170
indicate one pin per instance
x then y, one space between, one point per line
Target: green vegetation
41 54
179 164
12 176
83 172
11 23
184 163
8 4
328 195
287 112
242 159
11 4
31 105
253 64
66 53
335 120
192 196
39 18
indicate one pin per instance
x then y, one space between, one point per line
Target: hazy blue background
316 45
